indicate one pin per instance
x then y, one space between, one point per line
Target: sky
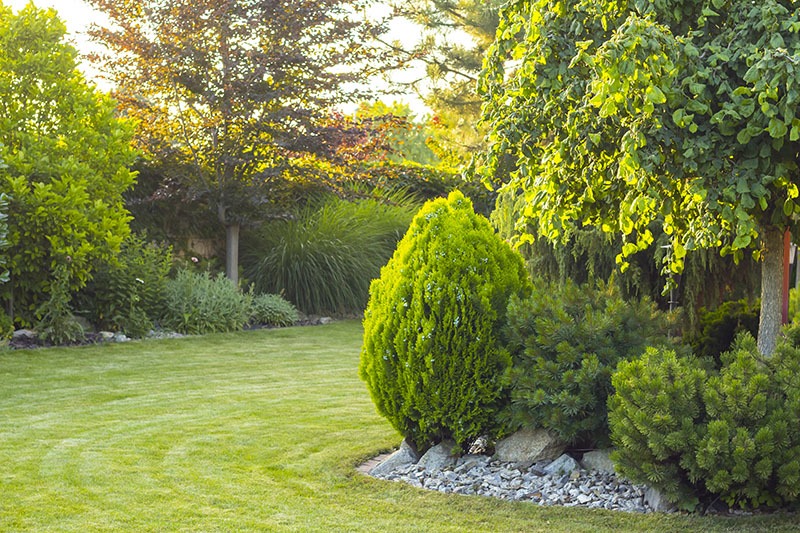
78 16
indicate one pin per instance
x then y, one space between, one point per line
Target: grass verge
252 431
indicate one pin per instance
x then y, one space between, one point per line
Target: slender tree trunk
231 244
232 252
769 325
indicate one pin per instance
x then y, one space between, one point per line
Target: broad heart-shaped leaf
776 128
655 95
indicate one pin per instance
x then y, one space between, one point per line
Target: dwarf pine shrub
655 416
698 434
566 341
432 357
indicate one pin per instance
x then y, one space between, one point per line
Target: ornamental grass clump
433 358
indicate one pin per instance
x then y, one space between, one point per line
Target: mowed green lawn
254 431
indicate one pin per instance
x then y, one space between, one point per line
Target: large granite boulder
598 461
529 446
439 457
563 465
404 456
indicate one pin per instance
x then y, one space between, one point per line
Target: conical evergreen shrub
433 359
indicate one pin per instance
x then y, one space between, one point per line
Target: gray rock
657 501
468 462
325 320
563 465
529 446
438 457
598 461
120 337
106 335
402 457
24 334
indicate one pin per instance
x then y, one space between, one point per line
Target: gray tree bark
232 252
769 325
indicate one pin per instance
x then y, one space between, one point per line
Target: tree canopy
233 89
631 115
66 157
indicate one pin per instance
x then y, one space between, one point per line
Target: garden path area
252 431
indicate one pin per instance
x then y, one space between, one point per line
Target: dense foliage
197 303
718 328
273 310
232 90
324 258
623 114
66 157
433 358
565 343
127 294
696 433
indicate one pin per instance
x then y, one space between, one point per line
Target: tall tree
680 113
66 158
454 37
233 87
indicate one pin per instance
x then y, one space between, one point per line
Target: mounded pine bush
566 342
433 359
656 420
698 435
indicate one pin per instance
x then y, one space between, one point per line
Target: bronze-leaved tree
433 359
679 113
66 156
229 89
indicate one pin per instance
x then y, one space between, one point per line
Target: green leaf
788 207
655 95
776 41
743 136
776 128
741 241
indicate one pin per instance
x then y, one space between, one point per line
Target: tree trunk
232 252
769 325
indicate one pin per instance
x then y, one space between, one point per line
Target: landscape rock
406 455
598 461
563 465
106 335
438 457
482 476
24 334
657 501
529 446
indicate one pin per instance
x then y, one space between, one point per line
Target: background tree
455 35
626 114
233 88
66 160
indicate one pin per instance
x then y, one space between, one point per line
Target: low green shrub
655 416
717 328
273 310
433 358
566 341
698 434
128 294
6 326
324 259
196 303
56 323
